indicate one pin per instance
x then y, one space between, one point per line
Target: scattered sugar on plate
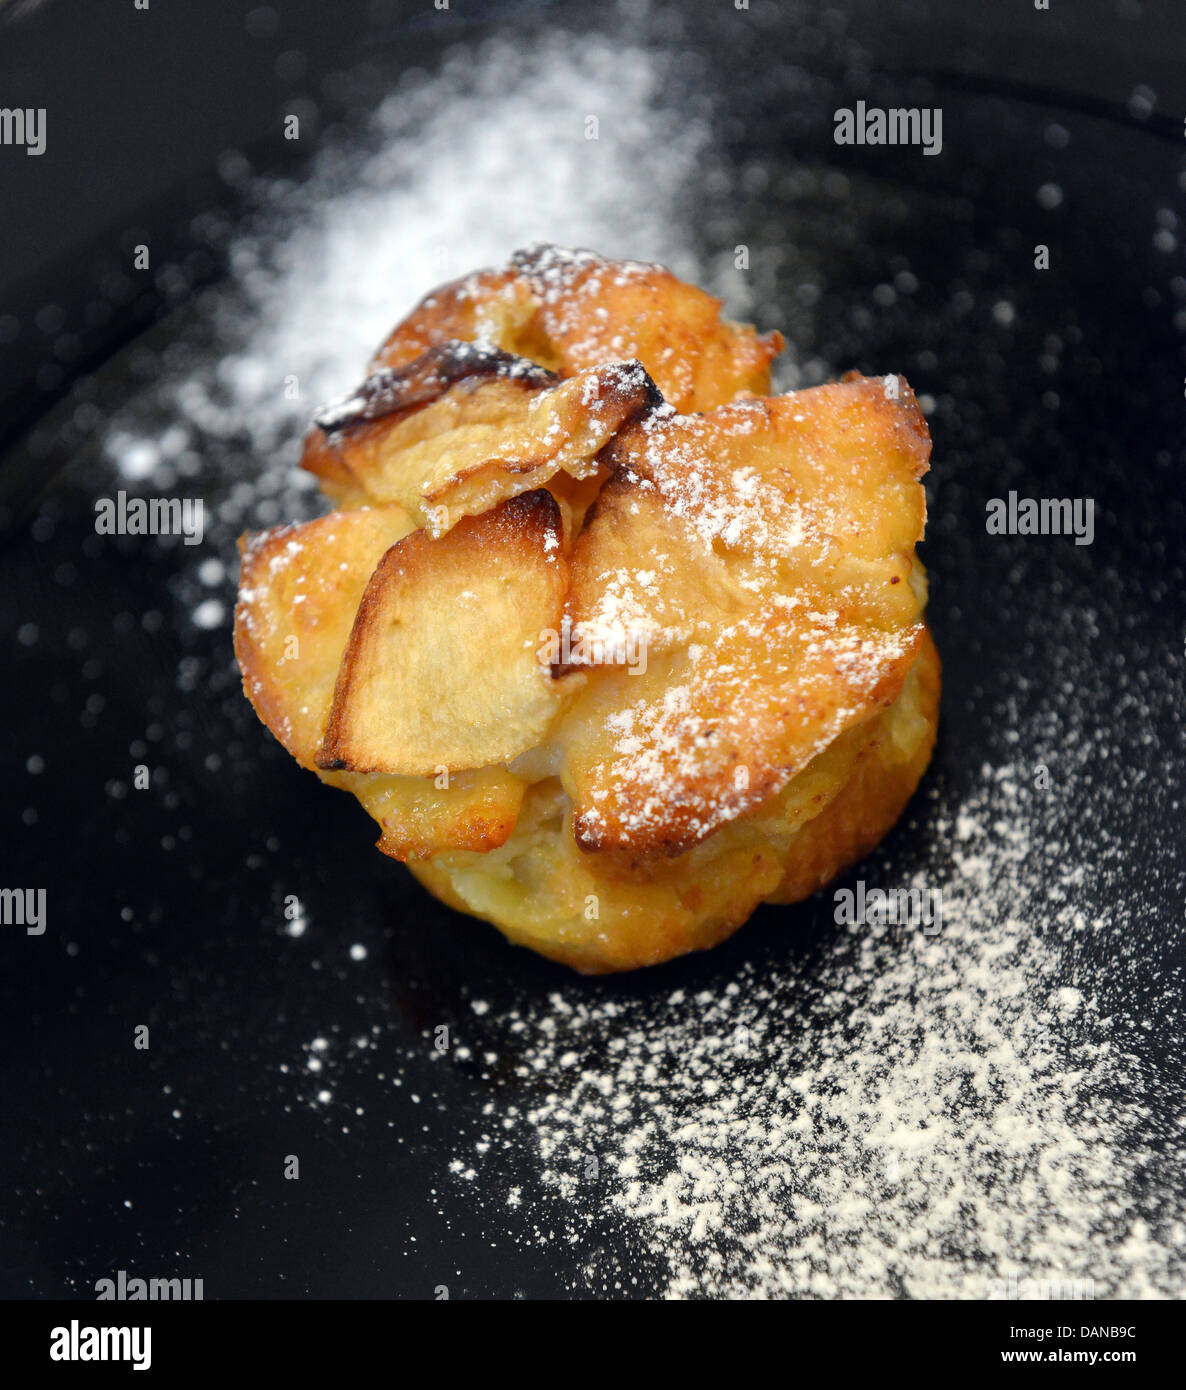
914 1116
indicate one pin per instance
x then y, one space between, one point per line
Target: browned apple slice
345 443
443 668
572 310
755 498
392 391
591 309
762 553
493 306
621 600
464 427
656 764
299 590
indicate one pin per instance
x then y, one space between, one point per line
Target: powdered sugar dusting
741 511
466 173
924 1116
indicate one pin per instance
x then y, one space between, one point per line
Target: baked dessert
613 645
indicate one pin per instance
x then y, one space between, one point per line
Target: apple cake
612 644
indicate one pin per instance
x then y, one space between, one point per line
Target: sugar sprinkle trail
483 159
914 1116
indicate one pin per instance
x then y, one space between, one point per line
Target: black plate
166 906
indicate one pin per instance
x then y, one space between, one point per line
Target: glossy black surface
166 906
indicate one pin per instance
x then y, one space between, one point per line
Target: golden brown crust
606 674
421 816
869 803
327 462
494 305
592 309
544 893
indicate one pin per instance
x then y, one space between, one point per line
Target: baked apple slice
443 665
571 310
592 309
300 587
762 555
464 426
421 816
495 307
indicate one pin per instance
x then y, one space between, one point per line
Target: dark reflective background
166 908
